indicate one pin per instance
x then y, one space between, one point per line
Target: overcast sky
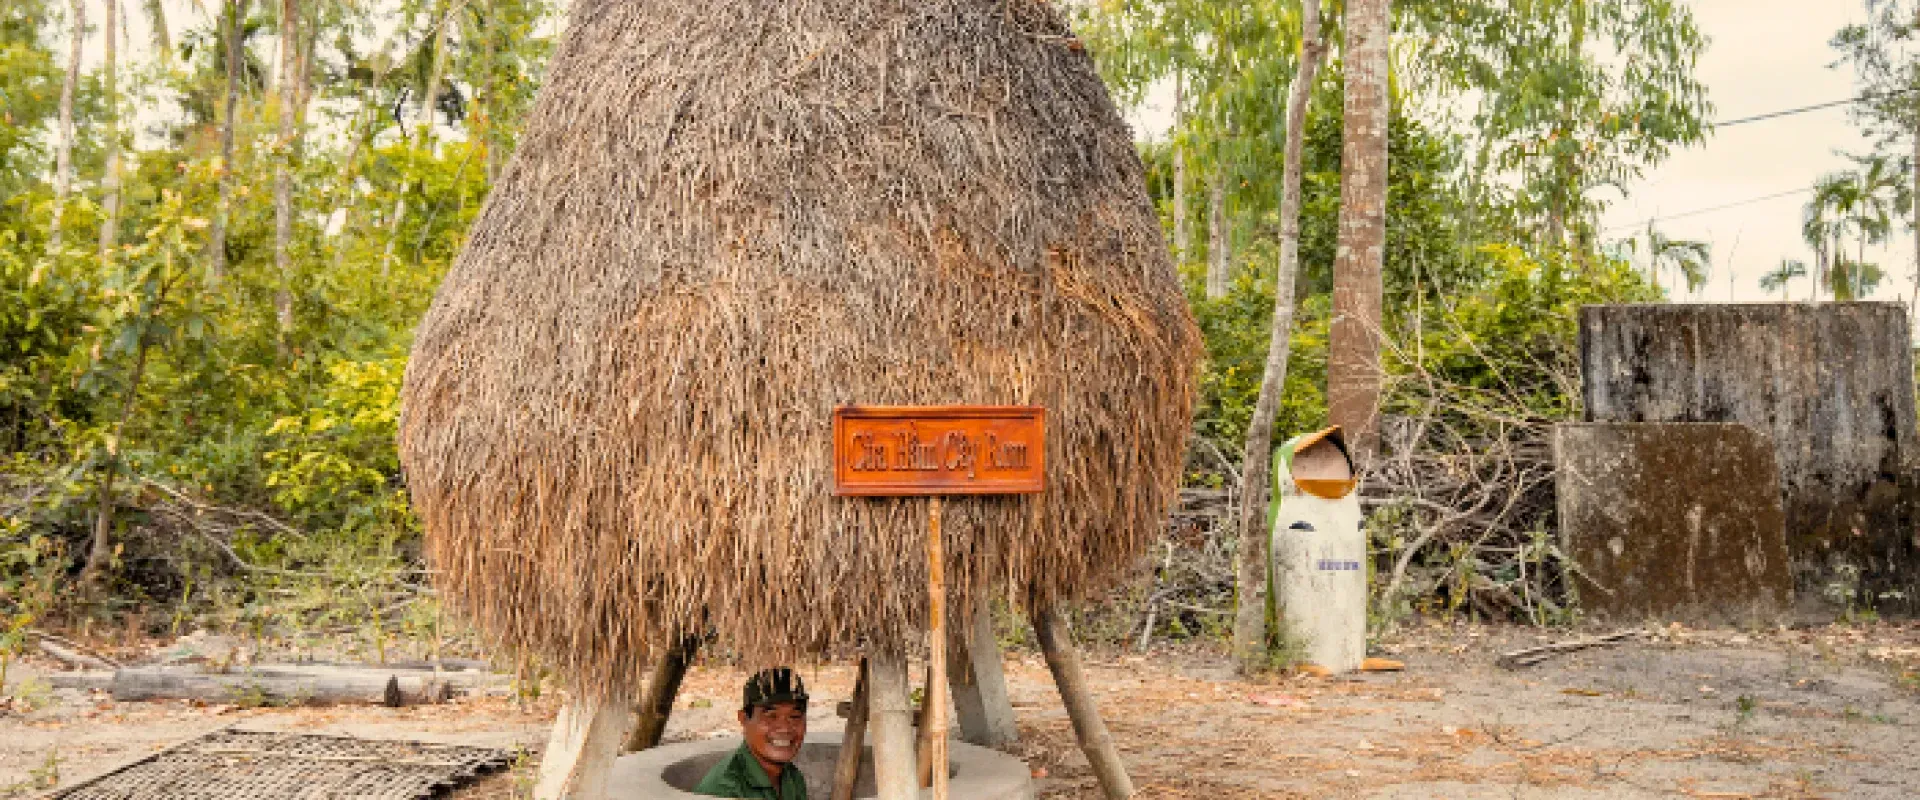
1766 55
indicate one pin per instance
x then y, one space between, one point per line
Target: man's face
774 733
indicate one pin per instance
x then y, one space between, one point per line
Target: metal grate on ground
262 765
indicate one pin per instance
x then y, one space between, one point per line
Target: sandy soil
1830 712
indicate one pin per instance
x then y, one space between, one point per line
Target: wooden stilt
586 739
846 772
1050 627
936 696
663 687
923 733
891 724
979 680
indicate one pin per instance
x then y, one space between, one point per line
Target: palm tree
1776 280
1688 258
1817 229
1852 280
1858 204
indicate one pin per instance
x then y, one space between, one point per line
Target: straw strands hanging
725 219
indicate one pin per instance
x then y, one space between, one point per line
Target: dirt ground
1826 712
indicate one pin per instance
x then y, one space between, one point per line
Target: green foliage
1687 259
1573 95
333 464
256 476
1882 52
30 82
1512 336
1776 279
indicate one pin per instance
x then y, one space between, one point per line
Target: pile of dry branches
1459 500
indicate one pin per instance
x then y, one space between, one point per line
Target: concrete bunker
1831 384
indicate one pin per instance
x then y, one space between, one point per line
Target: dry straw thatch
725 219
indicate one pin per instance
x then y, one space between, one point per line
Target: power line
1698 211
1815 107
1760 118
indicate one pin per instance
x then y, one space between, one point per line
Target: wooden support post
892 726
935 718
923 733
1050 627
846 773
979 680
663 687
586 739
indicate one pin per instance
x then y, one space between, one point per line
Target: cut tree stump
580 753
979 681
891 723
1050 627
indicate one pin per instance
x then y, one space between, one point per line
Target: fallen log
293 685
1534 655
67 652
84 681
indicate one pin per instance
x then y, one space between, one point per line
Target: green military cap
771 686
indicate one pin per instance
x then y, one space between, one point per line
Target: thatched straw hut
722 222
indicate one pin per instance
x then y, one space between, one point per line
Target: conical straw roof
726 219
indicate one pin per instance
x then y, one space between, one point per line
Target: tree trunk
290 98
1837 276
349 196
63 151
1819 270
1056 643
1250 616
100 551
1854 278
1182 225
110 181
222 217
1219 240
1353 369
162 35
1915 211
423 116
486 114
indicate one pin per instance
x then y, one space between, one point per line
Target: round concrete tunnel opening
671 771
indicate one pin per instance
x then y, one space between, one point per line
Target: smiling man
773 720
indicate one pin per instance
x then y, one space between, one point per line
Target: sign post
937 451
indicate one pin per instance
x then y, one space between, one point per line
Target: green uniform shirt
741 776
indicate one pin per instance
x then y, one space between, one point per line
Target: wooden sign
897 451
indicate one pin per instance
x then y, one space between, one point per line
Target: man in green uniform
773 720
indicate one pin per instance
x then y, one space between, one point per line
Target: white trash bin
1318 577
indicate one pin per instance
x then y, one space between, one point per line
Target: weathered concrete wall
1673 522
1831 383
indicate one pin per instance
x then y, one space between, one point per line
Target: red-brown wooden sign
895 451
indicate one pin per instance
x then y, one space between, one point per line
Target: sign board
899 451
